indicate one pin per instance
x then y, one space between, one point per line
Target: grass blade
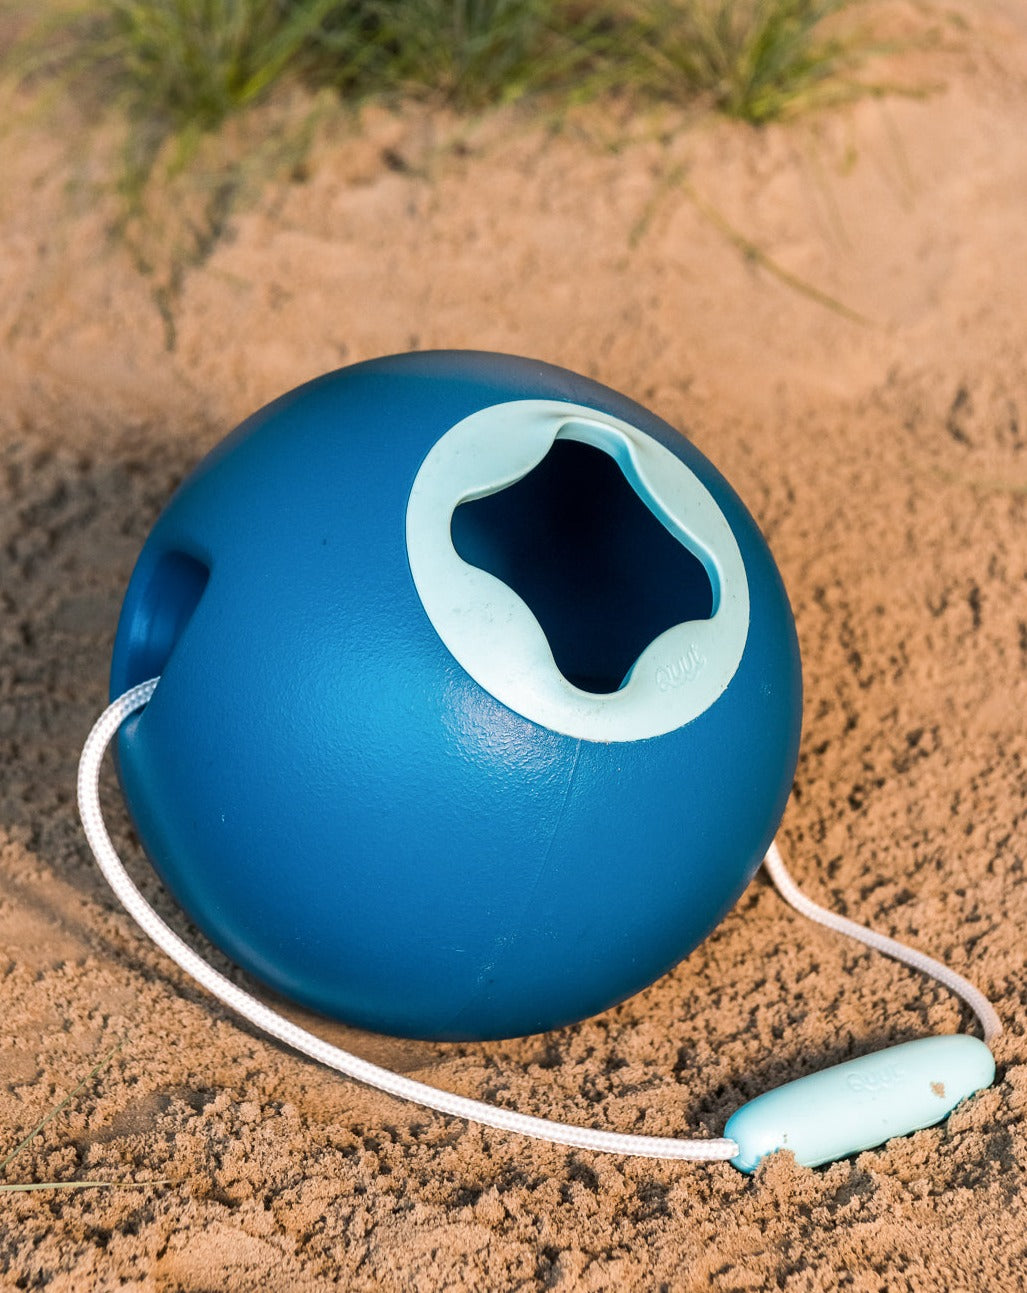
81 1185
753 252
49 1117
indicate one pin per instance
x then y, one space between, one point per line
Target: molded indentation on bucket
598 570
164 608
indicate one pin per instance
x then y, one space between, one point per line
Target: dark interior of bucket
600 572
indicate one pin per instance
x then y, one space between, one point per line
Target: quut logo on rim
686 668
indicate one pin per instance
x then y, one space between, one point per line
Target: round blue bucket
480 696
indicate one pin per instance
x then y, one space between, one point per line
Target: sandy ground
885 457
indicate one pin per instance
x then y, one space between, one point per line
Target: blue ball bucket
480 696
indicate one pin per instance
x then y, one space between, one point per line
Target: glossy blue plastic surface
352 818
861 1103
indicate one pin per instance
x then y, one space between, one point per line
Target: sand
885 457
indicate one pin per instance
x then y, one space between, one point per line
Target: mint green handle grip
861 1103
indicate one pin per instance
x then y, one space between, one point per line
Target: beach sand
834 311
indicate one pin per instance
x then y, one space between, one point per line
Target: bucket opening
601 573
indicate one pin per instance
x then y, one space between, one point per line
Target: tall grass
188 64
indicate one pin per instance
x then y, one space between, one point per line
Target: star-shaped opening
600 572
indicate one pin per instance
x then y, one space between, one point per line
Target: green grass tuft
193 62
470 53
756 60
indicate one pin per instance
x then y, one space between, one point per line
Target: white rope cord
307 1043
298 1038
963 988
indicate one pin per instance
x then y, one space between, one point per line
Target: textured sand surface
886 460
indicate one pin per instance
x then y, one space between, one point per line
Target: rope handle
307 1043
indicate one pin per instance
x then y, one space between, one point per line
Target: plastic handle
861 1103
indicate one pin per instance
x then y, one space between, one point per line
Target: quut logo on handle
884 1078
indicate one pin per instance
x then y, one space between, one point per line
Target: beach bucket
480 696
